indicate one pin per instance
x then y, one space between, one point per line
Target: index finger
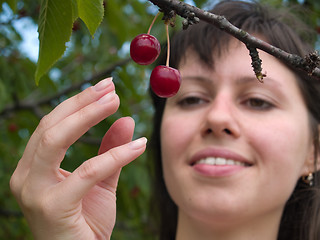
56 140
62 111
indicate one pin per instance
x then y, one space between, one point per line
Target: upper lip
218 153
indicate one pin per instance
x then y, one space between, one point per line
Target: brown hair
301 217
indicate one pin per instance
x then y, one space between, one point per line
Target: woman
213 108
230 151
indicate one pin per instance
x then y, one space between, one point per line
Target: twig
256 63
92 79
309 66
35 105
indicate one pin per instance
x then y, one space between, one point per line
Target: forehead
233 63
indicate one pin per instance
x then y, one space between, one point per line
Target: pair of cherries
164 80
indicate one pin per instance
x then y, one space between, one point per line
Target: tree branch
35 105
308 65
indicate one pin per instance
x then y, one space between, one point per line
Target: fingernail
139 143
107 98
102 84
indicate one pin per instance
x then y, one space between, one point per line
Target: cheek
176 135
282 147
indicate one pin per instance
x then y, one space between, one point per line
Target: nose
221 118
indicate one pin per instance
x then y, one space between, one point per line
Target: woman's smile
214 162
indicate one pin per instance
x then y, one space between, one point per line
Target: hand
79 205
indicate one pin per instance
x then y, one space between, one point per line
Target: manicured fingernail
107 98
139 143
102 84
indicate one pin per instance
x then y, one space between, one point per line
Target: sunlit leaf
55 27
75 13
12 4
91 13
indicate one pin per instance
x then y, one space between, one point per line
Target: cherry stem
153 21
168 44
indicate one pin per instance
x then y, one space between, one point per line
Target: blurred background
86 61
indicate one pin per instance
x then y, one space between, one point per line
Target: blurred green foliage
86 60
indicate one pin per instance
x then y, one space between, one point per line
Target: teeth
220 161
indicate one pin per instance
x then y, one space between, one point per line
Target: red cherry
165 81
144 49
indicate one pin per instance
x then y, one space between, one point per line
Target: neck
265 228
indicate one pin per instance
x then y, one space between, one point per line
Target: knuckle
81 98
50 142
82 115
113 153
48 139
14 185
44 122
77 98
88 170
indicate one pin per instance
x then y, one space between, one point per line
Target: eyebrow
197 78
267 81
239 81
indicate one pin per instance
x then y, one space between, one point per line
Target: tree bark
309 65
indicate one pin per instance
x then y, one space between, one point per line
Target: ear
312 163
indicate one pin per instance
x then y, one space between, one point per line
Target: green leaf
75 13
55 28
91 13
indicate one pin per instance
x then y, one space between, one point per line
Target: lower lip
217 170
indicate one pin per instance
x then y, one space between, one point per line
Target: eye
191 101
258 104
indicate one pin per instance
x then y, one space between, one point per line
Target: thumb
119 133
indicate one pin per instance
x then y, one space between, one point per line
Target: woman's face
232 146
